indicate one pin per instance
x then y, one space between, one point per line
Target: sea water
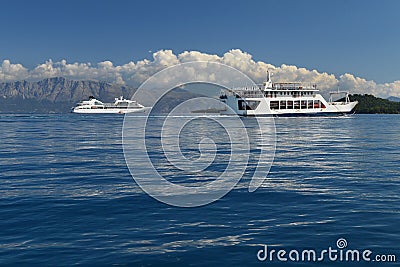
68 198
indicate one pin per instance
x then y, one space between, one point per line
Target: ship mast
268 82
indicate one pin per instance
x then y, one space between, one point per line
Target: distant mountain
62 90
55 94
393 98
369 104
59 95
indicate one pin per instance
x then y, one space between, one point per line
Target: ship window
290 105
303 104
310 104
274 104
316 103
122 104
322 105
241 105
296 104
248 105
282 105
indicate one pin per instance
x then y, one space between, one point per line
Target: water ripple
67 197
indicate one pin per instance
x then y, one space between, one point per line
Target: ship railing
294 86
338 92
109 105
246 93
338 103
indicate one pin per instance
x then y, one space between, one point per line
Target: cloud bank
134 73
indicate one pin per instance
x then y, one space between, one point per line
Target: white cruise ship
120 106
283 99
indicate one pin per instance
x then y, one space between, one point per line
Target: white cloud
134 73
12 72
189 56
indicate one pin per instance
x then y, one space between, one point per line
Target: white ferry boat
120 106
283 99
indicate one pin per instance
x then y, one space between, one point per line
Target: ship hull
108 111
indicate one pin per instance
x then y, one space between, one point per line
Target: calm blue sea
67 196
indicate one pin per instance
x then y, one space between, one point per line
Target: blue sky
358 37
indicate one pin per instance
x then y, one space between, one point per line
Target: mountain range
393 98
55 94
59 95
